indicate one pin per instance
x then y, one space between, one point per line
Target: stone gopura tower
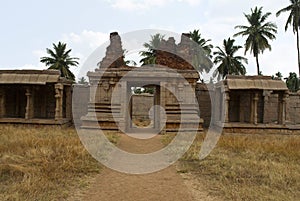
172 78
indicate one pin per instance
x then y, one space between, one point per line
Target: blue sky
29 27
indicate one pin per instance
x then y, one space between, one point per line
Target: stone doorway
143 115
110 104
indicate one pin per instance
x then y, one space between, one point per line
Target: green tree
61 60
292 82
139 90
228 63
201 52
294 21
277 76
258 32
130 62
149 55
82 80
203 43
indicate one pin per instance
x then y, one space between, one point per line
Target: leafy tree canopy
59 59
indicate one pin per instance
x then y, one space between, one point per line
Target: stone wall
271 109
204 101
80 102
294 108
48 98
140 108
141 105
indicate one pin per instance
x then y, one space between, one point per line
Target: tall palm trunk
297 33
257 65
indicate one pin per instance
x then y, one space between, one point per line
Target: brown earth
165 185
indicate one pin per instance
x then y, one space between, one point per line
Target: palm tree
277 76
149 56
60 60
196 36
201 52
294 21
82 80
229 64
130 62
258 32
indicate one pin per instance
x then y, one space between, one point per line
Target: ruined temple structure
35 96
251 102
113 111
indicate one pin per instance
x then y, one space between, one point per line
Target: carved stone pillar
68 102
59 101
2 102
29 103
217 105
255 101
93 91
120 98
287 107
226 106
266 95
241 110
181 91
163 103
282 108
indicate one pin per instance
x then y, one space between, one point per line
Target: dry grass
252 167
42 163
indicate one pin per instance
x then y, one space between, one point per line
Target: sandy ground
165 185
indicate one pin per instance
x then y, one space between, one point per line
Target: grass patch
248 167
42 163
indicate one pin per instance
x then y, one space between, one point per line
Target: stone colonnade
222 109
31 94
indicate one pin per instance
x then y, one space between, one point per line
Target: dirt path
165 185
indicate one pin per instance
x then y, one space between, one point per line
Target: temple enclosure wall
204 101
141 105
294 108
80 102
143 102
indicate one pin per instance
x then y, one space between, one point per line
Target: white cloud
216 22
39 53
191 2
87 38
26 67
82 44
137 5
131 5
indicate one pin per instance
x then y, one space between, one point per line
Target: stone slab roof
40 77
255 82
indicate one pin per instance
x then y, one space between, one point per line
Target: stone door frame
128 103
